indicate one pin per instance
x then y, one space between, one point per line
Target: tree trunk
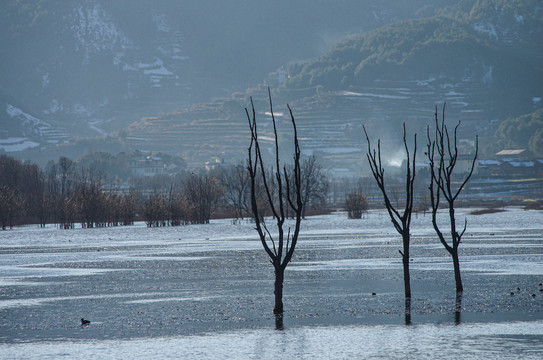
407 311
278 289
406 275
457 277
458 309
279 322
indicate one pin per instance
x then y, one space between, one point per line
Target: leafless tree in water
401 221
280 246
443 157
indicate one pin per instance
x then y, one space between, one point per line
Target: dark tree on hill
279 247
443 156
401 221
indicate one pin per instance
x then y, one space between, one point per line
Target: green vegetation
522 132
410 50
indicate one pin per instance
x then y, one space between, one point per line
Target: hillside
448 53
198 133
89 68
384 77
478 56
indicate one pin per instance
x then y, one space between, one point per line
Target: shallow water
208 290
521 340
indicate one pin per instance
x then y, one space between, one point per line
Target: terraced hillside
329 123
199 133
379 79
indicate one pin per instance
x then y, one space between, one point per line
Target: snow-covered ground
205 291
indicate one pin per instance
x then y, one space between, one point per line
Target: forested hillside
448 51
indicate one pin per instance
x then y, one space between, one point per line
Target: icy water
206 291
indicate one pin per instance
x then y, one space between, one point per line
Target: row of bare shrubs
66 194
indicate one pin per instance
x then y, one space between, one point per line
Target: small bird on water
85 322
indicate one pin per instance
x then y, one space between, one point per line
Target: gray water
206 291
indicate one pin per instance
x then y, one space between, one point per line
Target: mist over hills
151 69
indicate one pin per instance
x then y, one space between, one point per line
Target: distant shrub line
67 194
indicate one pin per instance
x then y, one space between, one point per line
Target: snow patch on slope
26 119
17 144
32 128
95 31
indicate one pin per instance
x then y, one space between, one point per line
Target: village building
223 159
146 166
516 163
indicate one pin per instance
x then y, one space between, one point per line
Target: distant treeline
62 194
66 193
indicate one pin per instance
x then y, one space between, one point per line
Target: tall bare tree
279 247
443 157
401 221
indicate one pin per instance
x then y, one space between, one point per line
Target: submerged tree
401 221
279 247
443 157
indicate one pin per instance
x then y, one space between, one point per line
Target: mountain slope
106 64
438 48
93 66
396 73
73 65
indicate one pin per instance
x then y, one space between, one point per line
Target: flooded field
206 291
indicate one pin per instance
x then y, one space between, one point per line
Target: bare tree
314 184
67 169
401 221
203 193
155 210
356 204
443 156
175 209
66 207
128 208
90 199
10 205
279 247
235 184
